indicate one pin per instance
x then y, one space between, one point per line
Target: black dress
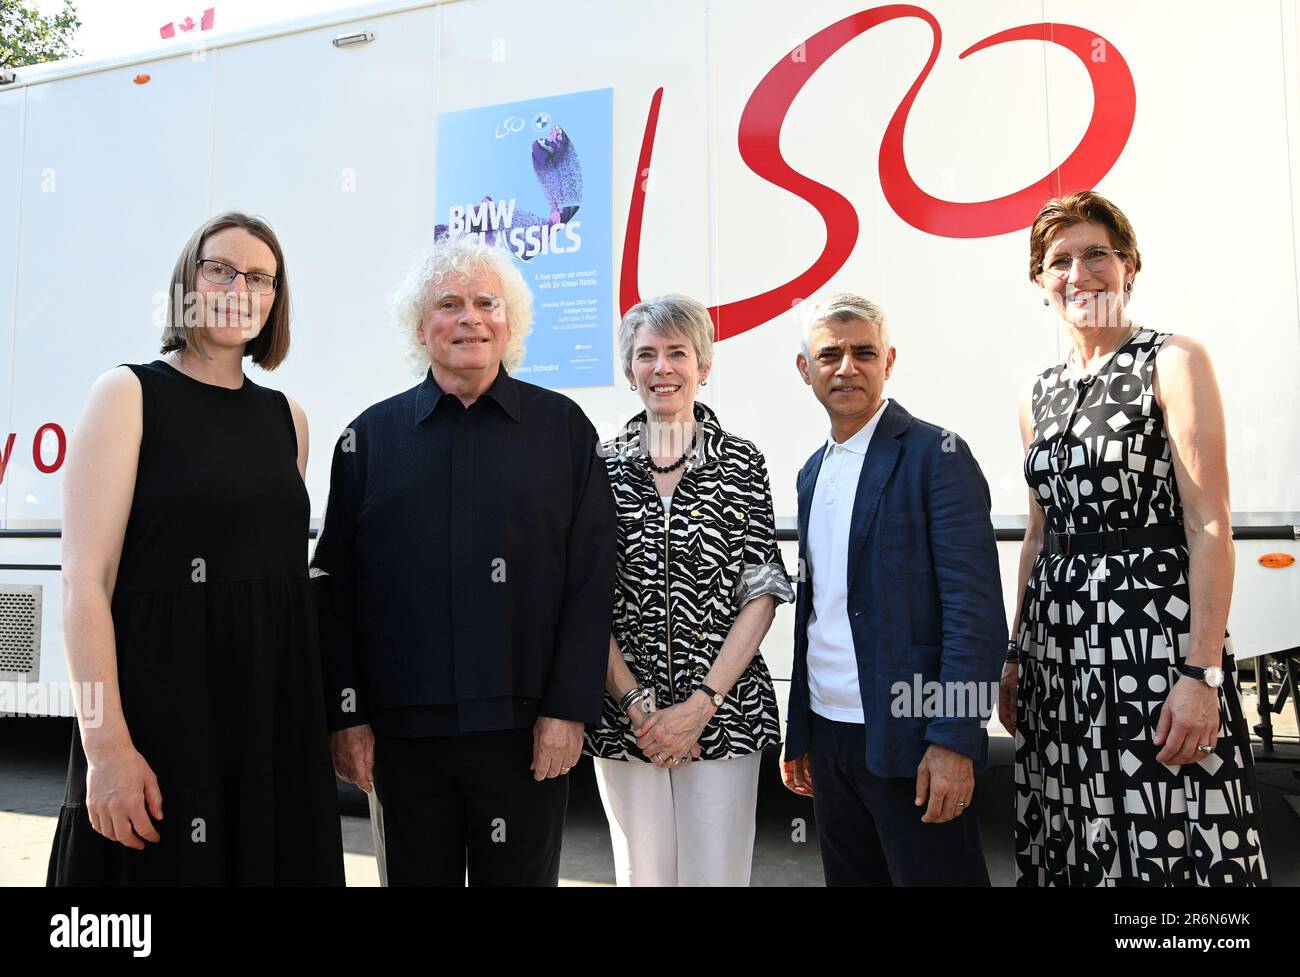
217 654
1101 637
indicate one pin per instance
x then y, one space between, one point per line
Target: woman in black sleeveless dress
1133 759
187 596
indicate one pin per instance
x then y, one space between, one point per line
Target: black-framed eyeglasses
221 273
1094 259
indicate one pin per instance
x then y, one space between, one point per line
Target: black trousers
869 827
453 801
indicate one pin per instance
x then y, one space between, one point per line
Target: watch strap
1201 674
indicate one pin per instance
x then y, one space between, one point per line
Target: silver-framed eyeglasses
1094 259
221 273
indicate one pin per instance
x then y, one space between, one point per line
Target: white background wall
336 148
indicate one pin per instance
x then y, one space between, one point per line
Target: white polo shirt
832 663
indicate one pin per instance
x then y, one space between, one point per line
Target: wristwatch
1211 675
717 697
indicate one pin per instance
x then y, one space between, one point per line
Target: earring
704 383
633 386
1128 285
1046 301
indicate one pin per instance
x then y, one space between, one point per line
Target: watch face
1214 676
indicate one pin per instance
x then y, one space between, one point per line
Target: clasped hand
669 735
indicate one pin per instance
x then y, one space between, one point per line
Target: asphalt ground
33 765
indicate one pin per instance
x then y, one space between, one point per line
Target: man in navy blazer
899 627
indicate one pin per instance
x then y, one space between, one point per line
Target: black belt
1115 540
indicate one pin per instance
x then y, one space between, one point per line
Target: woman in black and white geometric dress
1133 762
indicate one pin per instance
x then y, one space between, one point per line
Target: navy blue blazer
925 597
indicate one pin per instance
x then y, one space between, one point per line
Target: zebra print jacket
718 543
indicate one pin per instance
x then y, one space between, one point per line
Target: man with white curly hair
466 575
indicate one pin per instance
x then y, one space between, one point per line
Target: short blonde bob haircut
668 316
271 346
457 259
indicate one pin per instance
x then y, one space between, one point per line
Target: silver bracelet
630 697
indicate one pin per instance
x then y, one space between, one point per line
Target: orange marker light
1273 560
141 79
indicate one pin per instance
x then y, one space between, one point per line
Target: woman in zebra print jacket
689 705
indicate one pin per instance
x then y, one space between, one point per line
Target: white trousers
689 825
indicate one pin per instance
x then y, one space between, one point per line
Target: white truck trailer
762 152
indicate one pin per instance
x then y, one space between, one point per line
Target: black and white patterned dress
1101 637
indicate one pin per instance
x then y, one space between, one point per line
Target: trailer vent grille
20 633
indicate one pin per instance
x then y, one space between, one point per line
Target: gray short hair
668 315
456 260
843 307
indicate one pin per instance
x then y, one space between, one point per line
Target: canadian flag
168 30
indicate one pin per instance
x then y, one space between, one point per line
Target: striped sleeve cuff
766 578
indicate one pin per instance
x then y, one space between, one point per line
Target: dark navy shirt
465 569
